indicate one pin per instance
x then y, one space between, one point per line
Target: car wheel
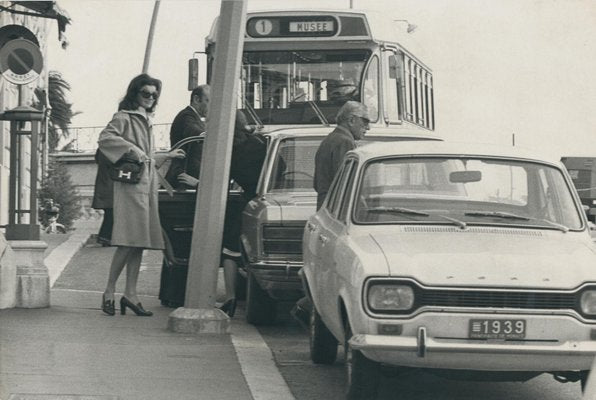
323 345
260 308
362 374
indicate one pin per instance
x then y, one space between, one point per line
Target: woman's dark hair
129 102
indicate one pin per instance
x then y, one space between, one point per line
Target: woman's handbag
127 169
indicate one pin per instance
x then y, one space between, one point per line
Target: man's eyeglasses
148 95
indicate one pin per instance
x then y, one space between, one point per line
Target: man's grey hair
352 108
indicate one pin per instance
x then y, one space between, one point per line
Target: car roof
375 132
436 148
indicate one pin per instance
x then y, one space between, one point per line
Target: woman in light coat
135 208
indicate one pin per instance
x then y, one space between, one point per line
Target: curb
59 258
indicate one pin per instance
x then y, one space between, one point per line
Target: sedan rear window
294 164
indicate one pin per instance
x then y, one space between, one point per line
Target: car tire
260 308
323 345
362 374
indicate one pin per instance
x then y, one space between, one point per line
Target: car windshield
294 165
301 86
465 191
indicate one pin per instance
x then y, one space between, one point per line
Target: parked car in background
583 173
273 222
457 259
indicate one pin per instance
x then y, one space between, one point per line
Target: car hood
294 206
489 257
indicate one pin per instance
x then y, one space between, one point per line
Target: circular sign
21 61
263 27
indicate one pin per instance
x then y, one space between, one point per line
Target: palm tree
61 109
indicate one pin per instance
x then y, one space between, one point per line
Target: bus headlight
387 297
588 302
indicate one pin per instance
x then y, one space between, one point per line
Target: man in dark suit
191 121
352 124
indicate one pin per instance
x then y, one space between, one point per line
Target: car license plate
497 329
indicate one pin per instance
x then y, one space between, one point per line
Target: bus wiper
497 214
253 114
397 210
319 113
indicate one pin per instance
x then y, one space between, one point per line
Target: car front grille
283 239
495 299
489 298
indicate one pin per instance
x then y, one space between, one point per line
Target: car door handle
311 227
324 239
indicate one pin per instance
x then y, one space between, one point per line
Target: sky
501 67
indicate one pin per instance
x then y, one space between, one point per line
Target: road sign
20 61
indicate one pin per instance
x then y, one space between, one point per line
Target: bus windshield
300 86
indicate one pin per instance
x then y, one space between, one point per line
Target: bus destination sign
291 26
311 26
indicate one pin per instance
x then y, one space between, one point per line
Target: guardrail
85 138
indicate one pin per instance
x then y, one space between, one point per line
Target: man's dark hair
198 91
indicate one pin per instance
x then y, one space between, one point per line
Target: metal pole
150 37
215 165
12 180
34 174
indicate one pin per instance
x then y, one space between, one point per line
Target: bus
300 67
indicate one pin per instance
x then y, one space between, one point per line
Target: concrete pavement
73 351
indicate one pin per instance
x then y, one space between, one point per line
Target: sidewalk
73 351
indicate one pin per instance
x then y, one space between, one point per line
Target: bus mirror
193 73
393 67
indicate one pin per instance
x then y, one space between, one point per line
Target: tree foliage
59 187
61 109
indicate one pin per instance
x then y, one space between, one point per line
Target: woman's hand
177 153
188 179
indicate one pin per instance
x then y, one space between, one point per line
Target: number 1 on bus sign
263 27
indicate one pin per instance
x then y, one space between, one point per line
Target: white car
451 257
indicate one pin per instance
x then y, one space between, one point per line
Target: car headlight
588 302
393 297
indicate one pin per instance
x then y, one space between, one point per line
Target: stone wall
82 169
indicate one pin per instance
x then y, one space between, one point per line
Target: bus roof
364 25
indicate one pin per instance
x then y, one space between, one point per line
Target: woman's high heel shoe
136 308
108 306
229 307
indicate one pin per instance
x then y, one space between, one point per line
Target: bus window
371 89
293 86
419 96
393 70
